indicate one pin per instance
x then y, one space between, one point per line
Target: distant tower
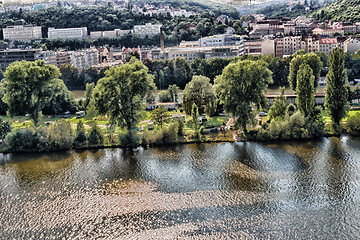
162 45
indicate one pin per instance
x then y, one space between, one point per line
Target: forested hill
196 6
341 10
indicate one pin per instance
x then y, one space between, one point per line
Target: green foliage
60 135
80 137
29 87
290 110
173 92
27 140
345 10
182 72
164 96
166 135
95 137
281 10
88 94
130 139
160 116
353 125
336 93
310 59
305 89
199 91
3 105
278 109
195 116
5 128
121 93
242 85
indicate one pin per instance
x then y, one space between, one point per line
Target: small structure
66 114
80 114
167 105
150 126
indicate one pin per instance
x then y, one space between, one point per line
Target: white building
327 45
22 33
221 40
85 58
67 33
352 45
148 30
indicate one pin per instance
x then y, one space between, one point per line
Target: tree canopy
199 91
241 86
29 87
120 94
305 89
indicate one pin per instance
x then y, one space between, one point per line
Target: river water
292 190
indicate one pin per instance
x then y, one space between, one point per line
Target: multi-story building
327 32
352 45
22 32
148 30
63 58
9 56
253 47
327 45
109 34
221 40
85 58
67 33
310 44
288 45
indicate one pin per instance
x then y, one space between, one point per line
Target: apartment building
109 34
85 58
327 45
352 45
221 40
67 33
62 58
287 45
327 32
148 30
22 32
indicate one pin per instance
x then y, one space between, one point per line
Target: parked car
262 114
150 126
80 114
66 114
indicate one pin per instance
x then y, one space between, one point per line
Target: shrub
166 135
80 138
26 140
95 137
60 135
129 139
353 125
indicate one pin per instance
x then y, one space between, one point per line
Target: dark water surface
292 190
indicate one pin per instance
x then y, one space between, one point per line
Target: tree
199 91
195 116
182 72
88 94
80 137
60 135
164 96
173 92
305 89
29 86
160 116
335 92
241 86
310 59
121 93
95 136
5 128
278 109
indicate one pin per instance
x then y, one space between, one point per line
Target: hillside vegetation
341 10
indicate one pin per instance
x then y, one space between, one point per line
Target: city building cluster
24 32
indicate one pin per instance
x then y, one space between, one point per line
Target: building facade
22 33
148 30
67 33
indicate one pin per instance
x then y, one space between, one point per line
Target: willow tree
305 90
241 86
120 94
199 91
335 92
29 86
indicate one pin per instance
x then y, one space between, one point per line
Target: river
289 190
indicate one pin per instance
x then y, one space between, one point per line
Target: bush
95 137
80 138
166 135
60 135
353 125
27 140
129 139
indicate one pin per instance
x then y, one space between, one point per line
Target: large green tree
336 93
278 109
199 91
305 89
160 116
310 59
29 87
120 94
241 86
